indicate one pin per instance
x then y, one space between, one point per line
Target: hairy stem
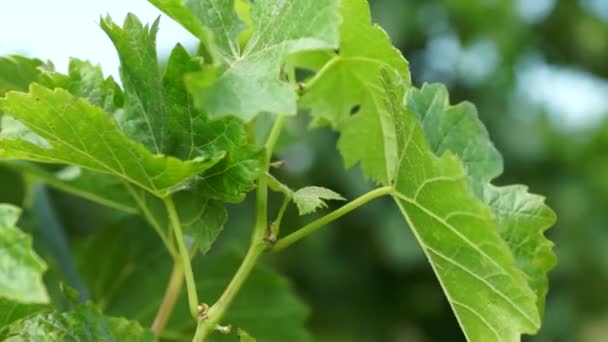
169 299
334 215
184 255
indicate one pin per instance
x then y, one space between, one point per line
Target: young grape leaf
17 72
170 119
351 79
115 285
84 323
87 81
248 82
311 198
522 217
76 132
232 177
21 268
214 22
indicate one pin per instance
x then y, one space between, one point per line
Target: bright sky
56 30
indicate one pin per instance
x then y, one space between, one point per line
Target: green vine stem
167 305
334 215
217 311
184 254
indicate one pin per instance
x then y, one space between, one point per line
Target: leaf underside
484 243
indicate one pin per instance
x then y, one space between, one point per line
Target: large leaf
490 295
522 217
72 131
351 79
21 268
249 82
115 284
84 323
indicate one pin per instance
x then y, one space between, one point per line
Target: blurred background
537 71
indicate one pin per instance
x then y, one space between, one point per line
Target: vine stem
184 254
334 215
169 299
215 313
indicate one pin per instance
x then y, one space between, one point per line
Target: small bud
224 329
202 310
278 164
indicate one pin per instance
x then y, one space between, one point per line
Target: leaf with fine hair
72 131
522 217
311 198
159 108
351 77
248 82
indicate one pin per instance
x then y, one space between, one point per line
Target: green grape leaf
146 117
522 217
351 79
17 72
458 232
84 323
214 22
115 285
87 81
249 82
311 198
168 117
230 179
456 128
21 268
73 131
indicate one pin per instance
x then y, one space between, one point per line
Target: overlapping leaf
72 131
460 234
84 323
159 112
87 81
17 72
522 217
21 268
351 79
248 82
115 284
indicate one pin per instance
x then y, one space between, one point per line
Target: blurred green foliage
364 277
